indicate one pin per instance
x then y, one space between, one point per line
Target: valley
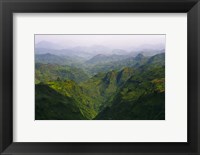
118 86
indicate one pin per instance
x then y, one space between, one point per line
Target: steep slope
51 105
157 60
103 86
113 80
52 72
72 90
142 96
147 107
124 75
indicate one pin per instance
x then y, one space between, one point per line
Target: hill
72 90
63 97
103 86
48 58
52 72
51 105
141 97
118 64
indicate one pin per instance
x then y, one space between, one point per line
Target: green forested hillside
103 86
127 89
51 105
54 72
141 97
72 90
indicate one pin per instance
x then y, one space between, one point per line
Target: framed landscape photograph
99 77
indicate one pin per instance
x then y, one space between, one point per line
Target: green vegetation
53 72
71 90
51 105
55 59
102 88
141 97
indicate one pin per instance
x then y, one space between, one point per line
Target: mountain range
87 52
118 86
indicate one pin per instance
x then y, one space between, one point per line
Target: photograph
99 76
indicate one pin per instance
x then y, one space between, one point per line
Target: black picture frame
8 7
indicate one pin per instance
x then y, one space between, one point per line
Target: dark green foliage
72 90
146 107
51 105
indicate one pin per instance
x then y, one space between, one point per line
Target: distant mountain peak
110 77
140 56
124 74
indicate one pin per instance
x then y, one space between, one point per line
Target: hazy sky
112 41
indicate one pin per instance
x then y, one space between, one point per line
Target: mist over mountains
99 82
88 52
